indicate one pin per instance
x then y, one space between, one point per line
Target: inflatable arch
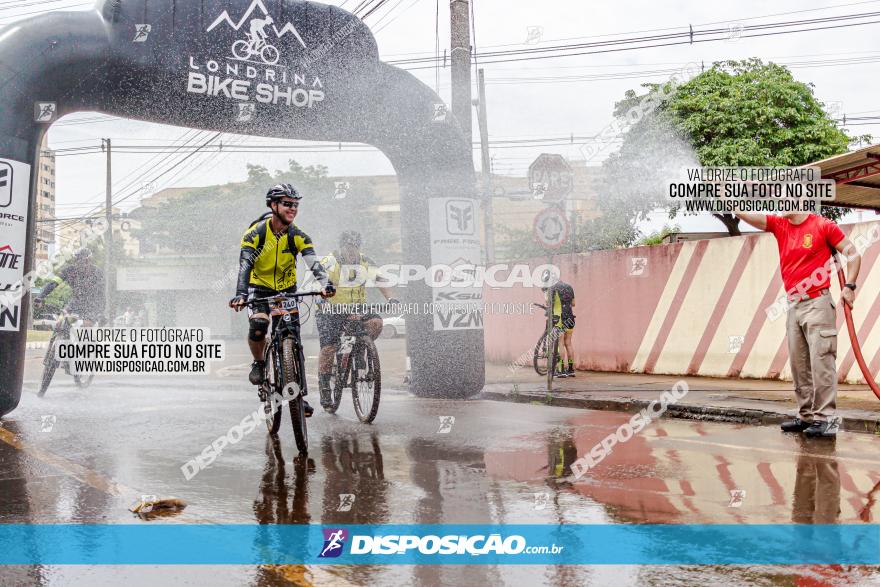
315 74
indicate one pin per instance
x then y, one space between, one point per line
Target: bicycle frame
355 328
284 323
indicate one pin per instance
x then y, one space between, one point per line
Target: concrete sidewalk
751 401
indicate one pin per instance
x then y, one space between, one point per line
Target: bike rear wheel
291 367
50 364
241 49
366 380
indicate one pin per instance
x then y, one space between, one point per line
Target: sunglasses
290 204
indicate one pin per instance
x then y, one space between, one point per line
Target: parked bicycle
356 367
66 322
285 366
546 355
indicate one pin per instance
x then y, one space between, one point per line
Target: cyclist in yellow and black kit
267 265
348 270
562 306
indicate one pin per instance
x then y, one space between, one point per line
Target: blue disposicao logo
334 542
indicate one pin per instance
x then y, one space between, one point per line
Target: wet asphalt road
499 463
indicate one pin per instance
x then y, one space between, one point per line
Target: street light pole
460 41
487 168
108 238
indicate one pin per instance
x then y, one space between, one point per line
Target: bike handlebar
282 296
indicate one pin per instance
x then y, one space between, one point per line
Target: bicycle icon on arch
253 46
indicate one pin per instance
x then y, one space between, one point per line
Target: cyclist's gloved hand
329 291
237 303
394 301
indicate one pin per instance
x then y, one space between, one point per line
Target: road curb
705 413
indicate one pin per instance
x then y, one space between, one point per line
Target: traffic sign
551 227
550 177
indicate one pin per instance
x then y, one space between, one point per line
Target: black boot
820 429
307 409
796 425
256 376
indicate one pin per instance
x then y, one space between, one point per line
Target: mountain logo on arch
256 31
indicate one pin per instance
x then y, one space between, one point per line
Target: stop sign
550 177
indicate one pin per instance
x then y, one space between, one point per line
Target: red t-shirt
803 248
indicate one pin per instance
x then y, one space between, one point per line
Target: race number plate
284 307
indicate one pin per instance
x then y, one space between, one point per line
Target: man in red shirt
806 243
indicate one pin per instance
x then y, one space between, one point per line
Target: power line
727 21
665 40
159 163
379 5
398 15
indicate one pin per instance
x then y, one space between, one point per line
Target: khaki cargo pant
812 348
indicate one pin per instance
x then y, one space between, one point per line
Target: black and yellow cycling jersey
350 279
272 257
562 298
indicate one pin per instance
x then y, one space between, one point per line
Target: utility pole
487 168
108 239
459 11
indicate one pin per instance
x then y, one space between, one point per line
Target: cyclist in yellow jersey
562 305
348 271
267 265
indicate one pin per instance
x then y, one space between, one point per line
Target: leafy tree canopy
737 113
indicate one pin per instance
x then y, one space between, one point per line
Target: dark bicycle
61 331
356 367
285 366
546 354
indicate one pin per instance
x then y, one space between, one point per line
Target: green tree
656 238
211 220
737 113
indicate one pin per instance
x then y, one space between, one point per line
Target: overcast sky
841 63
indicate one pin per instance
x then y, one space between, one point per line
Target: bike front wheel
269 55
539 360
50 364
366 380
337 384
272 408
552 344
291 369
84 380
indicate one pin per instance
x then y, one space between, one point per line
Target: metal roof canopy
858 178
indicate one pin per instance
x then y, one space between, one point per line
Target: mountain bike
285 378
66 322
244 50
356 367
546 355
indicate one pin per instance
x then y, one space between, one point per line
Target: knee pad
258 329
